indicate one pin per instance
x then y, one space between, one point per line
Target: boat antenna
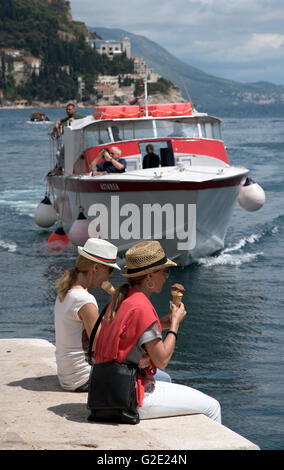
146 95
186 90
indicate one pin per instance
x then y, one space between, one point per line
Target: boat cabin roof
84 123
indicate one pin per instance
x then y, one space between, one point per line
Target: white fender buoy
58 239
45 214
251 196
78 233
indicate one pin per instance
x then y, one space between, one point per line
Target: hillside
27 24
40 39
54 60
209 93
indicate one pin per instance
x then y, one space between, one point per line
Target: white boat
185 203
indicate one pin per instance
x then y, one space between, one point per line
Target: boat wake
225 259
24 202
250 240
10 247
38 123
236 255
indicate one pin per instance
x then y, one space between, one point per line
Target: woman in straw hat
132 327
76 310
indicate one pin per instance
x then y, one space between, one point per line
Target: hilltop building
142 70
111 47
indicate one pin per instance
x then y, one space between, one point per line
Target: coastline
157 98
44 106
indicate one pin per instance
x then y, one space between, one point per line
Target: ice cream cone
177 298
177 294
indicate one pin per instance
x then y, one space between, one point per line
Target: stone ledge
37 414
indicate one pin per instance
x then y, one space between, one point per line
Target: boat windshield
105 133
96 135
210 129
129 130
176 128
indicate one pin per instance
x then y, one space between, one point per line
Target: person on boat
93 164
71 115
76 310
151 159
112 162
37 116
115 133
131 326
58 129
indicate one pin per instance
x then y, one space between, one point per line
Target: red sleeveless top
117 337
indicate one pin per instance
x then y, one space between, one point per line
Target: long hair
69 278
121 293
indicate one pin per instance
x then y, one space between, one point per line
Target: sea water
231 344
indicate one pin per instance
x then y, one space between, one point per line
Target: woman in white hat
76 310
131 326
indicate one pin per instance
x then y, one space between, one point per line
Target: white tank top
72 368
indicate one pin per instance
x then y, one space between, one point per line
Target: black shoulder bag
112 389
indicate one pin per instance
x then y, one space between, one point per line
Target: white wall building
111 47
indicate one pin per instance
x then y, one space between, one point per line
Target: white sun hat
99 251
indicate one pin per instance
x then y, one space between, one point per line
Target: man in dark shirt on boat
150 160
115 133
57 131
71 115
112 163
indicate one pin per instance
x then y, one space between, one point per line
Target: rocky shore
174 96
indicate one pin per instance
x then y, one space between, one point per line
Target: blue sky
240 40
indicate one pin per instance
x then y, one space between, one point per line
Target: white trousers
170 399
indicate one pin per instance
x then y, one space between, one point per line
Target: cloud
249 48
222 31
266 41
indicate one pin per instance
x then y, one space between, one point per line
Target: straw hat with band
99 251
144 258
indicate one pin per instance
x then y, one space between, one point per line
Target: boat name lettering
109 187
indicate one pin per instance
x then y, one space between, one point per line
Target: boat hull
189 219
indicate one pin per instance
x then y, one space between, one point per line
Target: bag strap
93 334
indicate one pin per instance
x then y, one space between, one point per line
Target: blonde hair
69 278
121 293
